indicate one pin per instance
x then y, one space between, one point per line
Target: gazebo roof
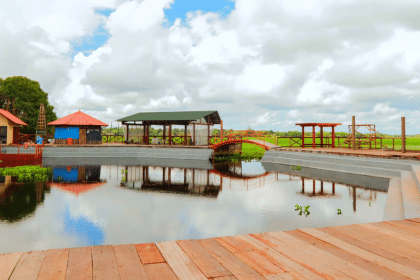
319 124
78 118
173 116
11 117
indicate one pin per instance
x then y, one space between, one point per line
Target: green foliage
295 167
339 212
300 209
27 173
28 96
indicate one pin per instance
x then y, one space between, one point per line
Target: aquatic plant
27 173
300 209
339 212
295 167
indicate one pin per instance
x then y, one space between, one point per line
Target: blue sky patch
180 8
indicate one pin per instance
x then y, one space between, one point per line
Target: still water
117 204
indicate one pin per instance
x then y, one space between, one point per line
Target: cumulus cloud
267 63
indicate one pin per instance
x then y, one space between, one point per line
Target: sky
264 64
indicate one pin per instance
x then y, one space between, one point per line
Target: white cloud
323 59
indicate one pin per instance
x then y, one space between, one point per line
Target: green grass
411 143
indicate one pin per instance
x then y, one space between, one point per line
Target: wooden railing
388 143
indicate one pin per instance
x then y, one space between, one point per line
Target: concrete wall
127 152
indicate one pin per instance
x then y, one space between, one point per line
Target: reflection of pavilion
321 193
19 200
352 192
171 179
76 179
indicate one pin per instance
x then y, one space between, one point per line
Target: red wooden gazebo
321 126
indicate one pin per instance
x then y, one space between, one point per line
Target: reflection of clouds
87 233
117 215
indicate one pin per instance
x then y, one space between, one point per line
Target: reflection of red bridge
248 136
235 176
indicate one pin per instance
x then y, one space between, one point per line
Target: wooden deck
357 152
385 250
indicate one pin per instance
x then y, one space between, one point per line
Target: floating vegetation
295 167
339 212
301 211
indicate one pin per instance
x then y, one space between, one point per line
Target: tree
22 97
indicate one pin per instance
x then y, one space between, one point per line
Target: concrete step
346 160
415 171
363 170
394 207
411 195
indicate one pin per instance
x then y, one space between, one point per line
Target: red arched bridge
257 138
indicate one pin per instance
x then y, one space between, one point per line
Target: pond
119 204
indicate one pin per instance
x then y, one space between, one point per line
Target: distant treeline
180 132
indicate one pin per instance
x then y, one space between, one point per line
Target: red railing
19 159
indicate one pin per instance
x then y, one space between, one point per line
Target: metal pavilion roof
77 118
173 116
318 124
11 117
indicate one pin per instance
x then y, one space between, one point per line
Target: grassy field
412 143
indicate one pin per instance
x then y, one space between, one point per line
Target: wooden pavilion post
170 134
164 133
322 136
208 134
148 134
303 136
185 134
403 134
144 134
128 134
333 137
221 130
313 136
193 135
353 133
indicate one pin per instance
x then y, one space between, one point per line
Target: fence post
353 133
403 134
393 146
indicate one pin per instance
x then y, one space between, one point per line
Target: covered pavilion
321 126
199 121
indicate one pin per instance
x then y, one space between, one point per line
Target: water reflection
132 203
18 200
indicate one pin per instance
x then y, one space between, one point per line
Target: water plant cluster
27 173
300 209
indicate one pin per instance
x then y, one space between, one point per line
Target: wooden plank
398 229
251 258
28 266
79 266
333 261
159 271
55 265
401 269
238 268
180 263
376 244
417 220
128 262
289 266
8 263
280 276
406 224
104 263
149 253
210 267
299 256
409 239
379 271
231 277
